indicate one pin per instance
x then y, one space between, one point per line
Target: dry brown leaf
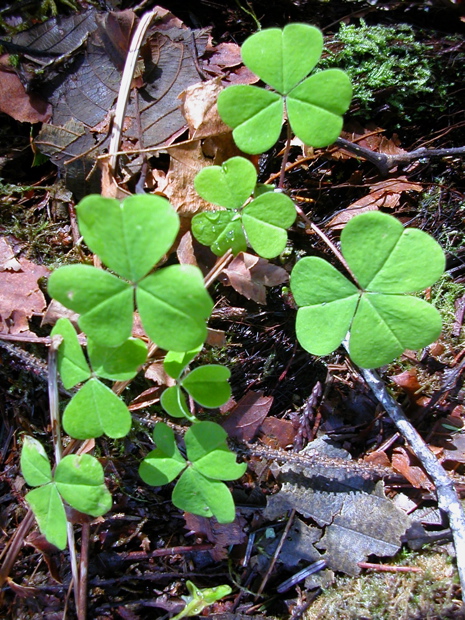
222 535
277 433
245 419
384 194
249 275
200 110
8 262
408 381
402 462
16 102
20 296
185 250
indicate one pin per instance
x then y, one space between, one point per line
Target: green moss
389 65
393 596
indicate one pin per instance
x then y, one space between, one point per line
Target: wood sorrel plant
131 237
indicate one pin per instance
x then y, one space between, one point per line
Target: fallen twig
385 162
447 496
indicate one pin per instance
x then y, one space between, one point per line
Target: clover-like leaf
72 364
314 106
283 58
175 362
229 185
174 403
35 465
117 363
48 509
208 385
387 261
204 437
96 410
104 301
402 260
266 220
203 496
165 463
221 230
173 305
81 483
256 116
130 236
385 325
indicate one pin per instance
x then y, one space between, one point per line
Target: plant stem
83 566
287 150
57 447
448 500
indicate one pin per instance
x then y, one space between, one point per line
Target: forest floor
406 61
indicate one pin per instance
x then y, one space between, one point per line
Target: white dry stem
448 499
57 447
125 86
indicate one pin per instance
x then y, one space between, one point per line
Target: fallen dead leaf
222 535
385 194
249 275
20 295
403 462
16 102
247 416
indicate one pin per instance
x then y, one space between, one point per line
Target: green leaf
35 465
117 363
221 230
131 236
174 305
208 385
49 512
320 329
72 364
385 325
175 362
199 495
165 463
256 116
397 260
81 483
96 410
385 259
204 437
104 302
229 185
282 58
316 106
315 281
265 221
173 402
220 464
199 599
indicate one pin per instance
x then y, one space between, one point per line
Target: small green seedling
95 409
200 489
130 238
207 385
78 480
262 221
314 105
198 599
387 261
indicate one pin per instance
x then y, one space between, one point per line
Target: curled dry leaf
249 275
247 416
385 194
16 102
